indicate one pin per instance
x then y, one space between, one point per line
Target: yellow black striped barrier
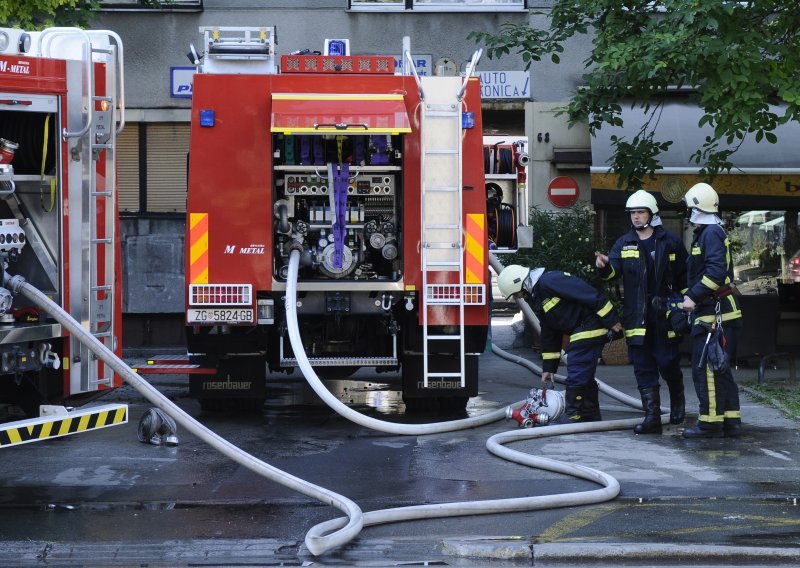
62 424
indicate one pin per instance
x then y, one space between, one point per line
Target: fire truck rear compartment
29 341
28 130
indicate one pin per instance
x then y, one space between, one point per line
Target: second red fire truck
378 174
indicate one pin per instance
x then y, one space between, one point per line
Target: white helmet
642 200
513 277
702 197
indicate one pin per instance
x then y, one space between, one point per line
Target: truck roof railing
239 43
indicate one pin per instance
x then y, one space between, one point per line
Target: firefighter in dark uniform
712 307
652 264
567 305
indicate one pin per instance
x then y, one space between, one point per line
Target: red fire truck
379 175
60 112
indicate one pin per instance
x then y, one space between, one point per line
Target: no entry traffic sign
563 191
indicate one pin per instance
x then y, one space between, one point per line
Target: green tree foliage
740 59
37 14
562 240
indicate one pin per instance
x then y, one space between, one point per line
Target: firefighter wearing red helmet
651 262
715 318
567 305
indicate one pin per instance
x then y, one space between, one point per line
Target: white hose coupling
296 245
16 283
48 358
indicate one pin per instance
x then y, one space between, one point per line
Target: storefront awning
294 113
678 121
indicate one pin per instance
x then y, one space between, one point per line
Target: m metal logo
252 249
18 68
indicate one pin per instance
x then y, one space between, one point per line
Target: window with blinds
128 168
167 149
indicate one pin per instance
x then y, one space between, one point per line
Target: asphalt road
104 498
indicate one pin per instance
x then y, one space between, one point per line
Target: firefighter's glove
667 304
679 321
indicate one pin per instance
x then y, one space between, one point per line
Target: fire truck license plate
221 315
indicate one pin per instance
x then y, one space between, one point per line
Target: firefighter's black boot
677 402
732 427
591 403
573 406
704 430
651 402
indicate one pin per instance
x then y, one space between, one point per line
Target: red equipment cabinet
58 215
383 187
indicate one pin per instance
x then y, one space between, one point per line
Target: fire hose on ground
610 486
18 285
337 532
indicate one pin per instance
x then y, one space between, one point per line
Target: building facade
517 103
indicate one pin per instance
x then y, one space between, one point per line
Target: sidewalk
682 502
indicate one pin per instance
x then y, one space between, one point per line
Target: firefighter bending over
715 316
652 264
567 305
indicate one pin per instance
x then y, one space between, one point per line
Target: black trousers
717 392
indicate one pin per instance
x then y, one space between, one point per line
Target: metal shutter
128 168
167 150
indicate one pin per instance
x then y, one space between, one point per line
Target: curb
468 551
764 399
588 554
691 554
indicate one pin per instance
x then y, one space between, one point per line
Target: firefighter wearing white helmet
715 317
514 278
702 197
651 262
645 203
566 305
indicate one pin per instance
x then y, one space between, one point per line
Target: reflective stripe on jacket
567 305
626 260
710 273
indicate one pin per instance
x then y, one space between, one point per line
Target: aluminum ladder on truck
93 204
441 212
103 207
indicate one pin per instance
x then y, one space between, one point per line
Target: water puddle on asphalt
372 398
